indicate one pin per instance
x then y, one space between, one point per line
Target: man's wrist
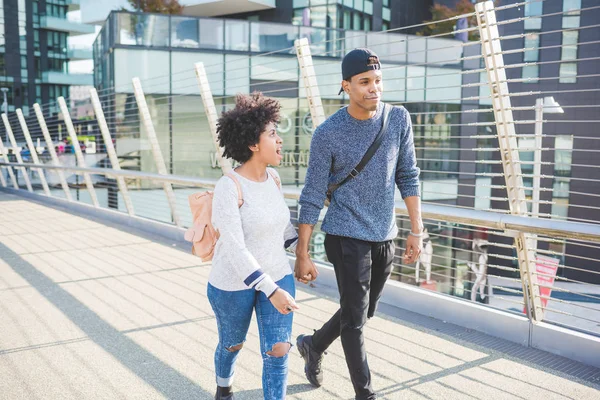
302 254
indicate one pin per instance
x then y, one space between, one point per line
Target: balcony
212 8
64 25
76 53
62 78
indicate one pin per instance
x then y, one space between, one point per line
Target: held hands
305 269
283 302
414 245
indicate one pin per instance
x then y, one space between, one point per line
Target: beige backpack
202 234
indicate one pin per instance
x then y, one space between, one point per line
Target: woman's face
268 148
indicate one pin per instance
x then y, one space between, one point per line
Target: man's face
365 89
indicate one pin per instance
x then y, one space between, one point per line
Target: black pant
361 269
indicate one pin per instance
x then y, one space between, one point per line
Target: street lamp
543 105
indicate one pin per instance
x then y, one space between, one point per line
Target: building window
572 9
563 150
356 25
568 73
385 26
532 44
534 11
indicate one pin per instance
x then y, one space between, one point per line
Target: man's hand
414 245
305 269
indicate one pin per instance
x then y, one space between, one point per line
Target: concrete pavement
91 311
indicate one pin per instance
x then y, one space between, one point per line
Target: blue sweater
362 208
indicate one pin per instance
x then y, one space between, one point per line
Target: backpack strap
239 189
275 178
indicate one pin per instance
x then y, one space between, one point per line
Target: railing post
211 114
525 243
110 149
11 173
52 151
33 151
156 152
309 78
78 154
17 151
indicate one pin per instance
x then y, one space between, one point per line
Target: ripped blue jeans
233 311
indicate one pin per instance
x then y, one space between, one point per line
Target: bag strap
275 178
239 188
369 154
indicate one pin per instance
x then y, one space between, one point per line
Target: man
360 223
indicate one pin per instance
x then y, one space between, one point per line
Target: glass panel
563 154
332 19
318 16
300 3
532 10
386 14
574 5
349 3
143 30
560 210
211 33
297 18
531 71
272 37
532 40
356 22
323 41
571 21
347 20
184 32
561 188
237 35
367 22
368 7
358 5
318 2
569 49
568 73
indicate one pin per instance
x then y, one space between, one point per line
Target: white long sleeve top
250 252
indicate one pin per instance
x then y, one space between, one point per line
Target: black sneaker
312 360
224 393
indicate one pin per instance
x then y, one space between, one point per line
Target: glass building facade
34 53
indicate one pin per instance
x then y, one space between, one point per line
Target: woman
250 269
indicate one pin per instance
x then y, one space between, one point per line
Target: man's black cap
358 61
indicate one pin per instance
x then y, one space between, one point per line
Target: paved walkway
90 311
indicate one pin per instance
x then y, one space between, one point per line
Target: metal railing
509 190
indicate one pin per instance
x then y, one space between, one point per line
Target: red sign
546 268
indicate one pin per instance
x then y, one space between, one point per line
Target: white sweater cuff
267 286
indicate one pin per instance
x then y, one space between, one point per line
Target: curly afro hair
240 128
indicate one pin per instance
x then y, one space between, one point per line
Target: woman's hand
283 302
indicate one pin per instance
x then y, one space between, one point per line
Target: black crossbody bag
367 157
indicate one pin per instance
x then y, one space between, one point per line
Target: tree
157 6
442 13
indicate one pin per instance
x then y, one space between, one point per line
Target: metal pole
110 149
51 150
491 50
78 154
537 158
33 151
17 151
156 152
309 77
211 114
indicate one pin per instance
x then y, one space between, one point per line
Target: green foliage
157 6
